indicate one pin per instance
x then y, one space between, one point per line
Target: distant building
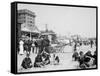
27 17
50 34
26 23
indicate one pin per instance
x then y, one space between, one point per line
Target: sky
64 20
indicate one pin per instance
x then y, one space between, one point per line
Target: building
26 23
27 17
50 34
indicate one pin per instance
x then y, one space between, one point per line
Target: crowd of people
85 60
41 48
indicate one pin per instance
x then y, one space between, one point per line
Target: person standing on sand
21 47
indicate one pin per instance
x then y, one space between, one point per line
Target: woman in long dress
21 43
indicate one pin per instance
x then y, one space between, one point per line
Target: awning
25 28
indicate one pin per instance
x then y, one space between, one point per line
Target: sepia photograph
53 37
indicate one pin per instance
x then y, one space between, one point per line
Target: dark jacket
38 59
26 63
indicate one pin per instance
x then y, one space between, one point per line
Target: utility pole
46 26
31 28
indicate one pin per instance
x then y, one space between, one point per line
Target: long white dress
21 47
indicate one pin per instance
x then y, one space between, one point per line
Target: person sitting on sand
75 55
57 60
46 58
38 61
26 63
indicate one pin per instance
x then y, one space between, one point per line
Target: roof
49 32
26 11
35 29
